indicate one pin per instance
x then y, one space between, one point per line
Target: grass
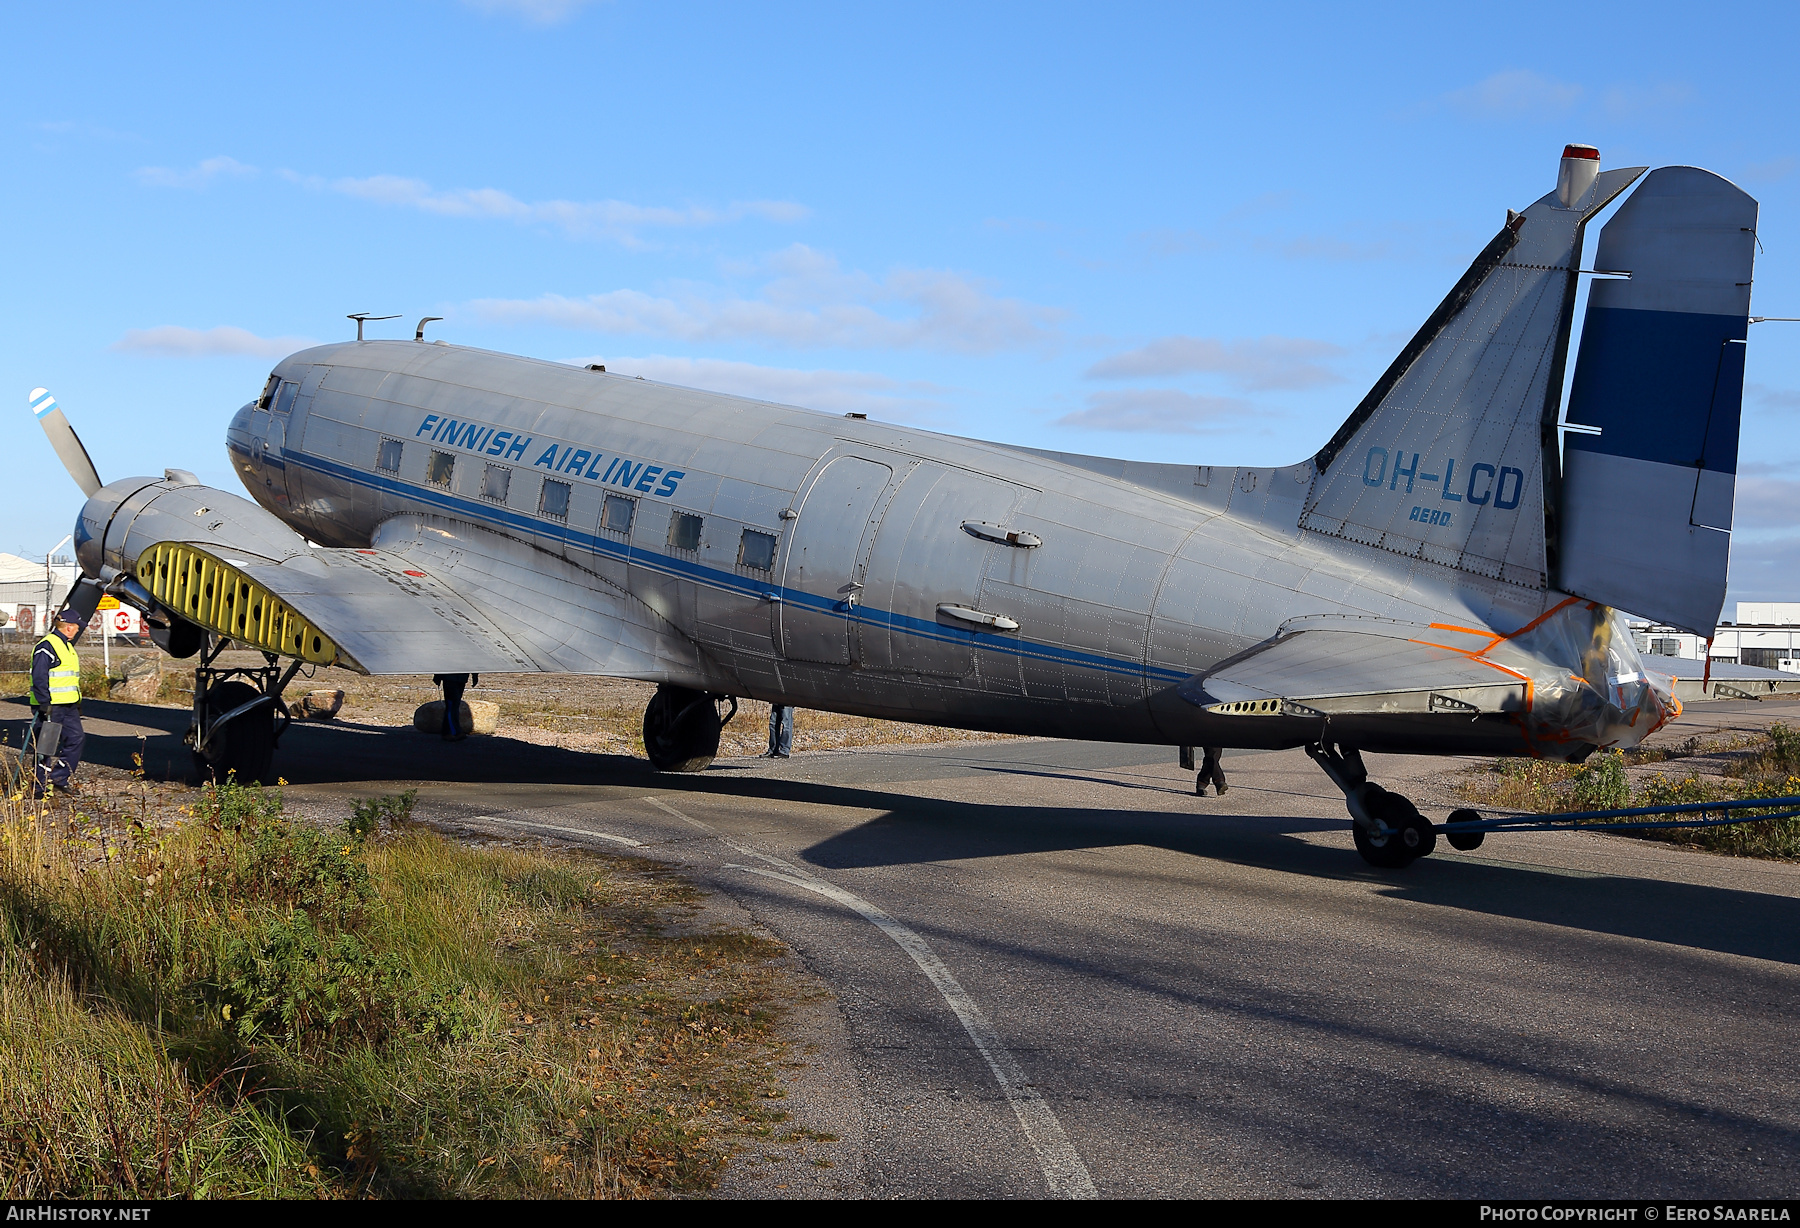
1748 766
247 1005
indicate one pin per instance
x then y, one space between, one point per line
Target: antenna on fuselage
419 332
361 316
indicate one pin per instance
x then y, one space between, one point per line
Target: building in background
29 587
1764 635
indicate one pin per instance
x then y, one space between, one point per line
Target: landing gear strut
681 728
238 717
1390 832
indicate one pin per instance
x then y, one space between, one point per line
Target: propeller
66 442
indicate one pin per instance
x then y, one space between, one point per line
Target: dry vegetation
224 1001
603 715
1713 768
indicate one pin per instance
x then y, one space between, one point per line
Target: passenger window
494 481
388 458
441 469
554 501
684 531
757 550
617 513
284 400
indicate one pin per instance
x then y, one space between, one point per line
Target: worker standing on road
781 732
1211 773
56 702
453 685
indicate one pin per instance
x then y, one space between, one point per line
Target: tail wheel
681 730
244 749
1465 841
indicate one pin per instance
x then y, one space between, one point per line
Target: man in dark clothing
781 732
56 703
453 685
1211 772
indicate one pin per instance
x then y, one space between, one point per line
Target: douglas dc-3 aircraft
1441 577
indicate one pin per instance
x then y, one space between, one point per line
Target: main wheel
1411 837
244 749
681 730
1465 841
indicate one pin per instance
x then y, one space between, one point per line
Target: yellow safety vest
65 675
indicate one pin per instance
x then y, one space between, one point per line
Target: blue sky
1173 232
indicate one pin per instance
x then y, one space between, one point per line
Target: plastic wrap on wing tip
1602 695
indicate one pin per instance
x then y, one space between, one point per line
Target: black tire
1413 836
681 730
1465 841
244 750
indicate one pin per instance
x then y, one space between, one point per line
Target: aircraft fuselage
837 563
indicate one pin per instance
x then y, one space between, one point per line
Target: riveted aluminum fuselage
1146 575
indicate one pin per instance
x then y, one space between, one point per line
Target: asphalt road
1056 970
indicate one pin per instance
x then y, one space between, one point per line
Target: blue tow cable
1600 820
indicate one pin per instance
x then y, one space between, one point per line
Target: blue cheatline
638 556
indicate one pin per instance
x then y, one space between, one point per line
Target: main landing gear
681 728
238 717
1390 832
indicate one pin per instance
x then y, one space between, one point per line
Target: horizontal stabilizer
1647 501
1327 668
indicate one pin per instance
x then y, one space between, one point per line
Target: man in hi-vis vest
56 701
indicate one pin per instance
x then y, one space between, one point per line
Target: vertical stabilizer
1444 460
1647 500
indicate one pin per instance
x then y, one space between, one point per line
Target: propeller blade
66 442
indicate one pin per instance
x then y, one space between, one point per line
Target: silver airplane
1441 577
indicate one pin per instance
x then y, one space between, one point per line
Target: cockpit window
284 400
268 393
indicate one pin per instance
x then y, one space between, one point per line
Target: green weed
251 1006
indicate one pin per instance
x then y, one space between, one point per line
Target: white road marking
1064 1172
567 831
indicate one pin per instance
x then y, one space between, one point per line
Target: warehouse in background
1765 635
28 587
1754 655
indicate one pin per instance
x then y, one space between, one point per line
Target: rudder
1660 376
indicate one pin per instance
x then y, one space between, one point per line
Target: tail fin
1445 458
1647 501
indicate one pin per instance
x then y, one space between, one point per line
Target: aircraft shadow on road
922 830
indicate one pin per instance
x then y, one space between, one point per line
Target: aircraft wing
1332 666
368 610
426 599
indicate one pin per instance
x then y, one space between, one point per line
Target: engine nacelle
124 518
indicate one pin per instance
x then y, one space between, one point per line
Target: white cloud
199 176
1632 101
533 12
174 341
1773 398
1764 570
1515 93
1765 501
1770 171
810 302
1165 411
843 392
1256 362
613 219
